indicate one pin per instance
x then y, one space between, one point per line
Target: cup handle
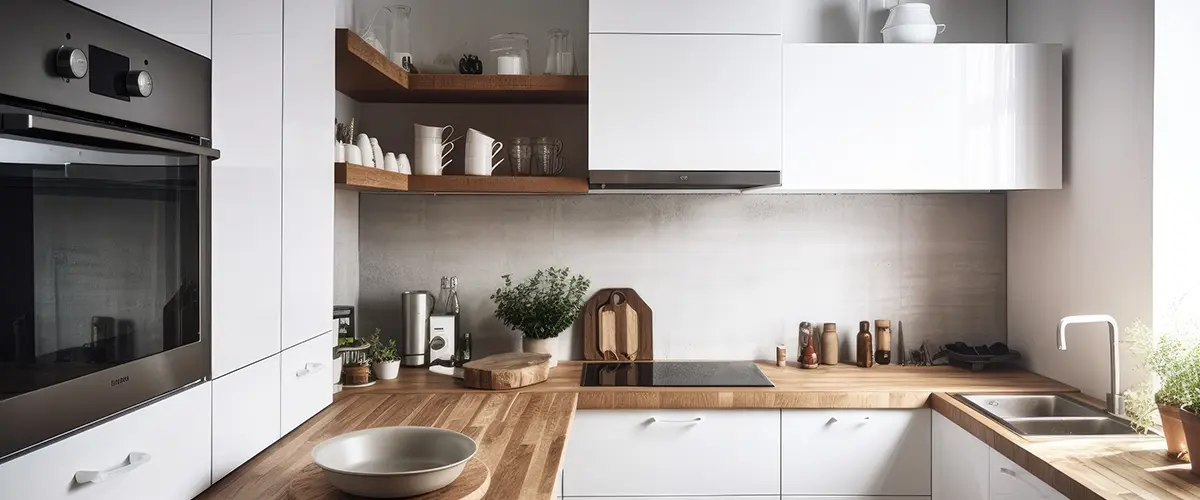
447 148
558 147
558 166
497 165
496 147
941 28
444 165
448 131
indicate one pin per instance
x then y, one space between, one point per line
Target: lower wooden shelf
367 179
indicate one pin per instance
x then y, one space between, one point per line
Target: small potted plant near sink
541 307
385 361
1173 358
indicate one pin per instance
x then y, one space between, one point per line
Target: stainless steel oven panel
39 417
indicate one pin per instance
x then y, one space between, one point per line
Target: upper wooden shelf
367 179
366 75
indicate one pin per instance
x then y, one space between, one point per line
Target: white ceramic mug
480 154
389 163
430 154
425 131
377 153
364 147
402 164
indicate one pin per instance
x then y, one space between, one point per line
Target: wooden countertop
522 433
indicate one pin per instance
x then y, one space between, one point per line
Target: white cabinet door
672 452
785 497
744 17
856 452
684 102
247 87
960 462
1010 482
171 436
922 117
186 23
308 92
245 415
305 383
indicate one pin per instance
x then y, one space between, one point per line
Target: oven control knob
138 83
70 62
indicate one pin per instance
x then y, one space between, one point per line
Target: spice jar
781 356
829 344
864 357
808 354
883 341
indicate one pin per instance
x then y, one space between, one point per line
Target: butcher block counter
522 433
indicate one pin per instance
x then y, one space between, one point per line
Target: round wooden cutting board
507 371
310 484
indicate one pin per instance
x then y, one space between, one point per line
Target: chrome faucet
1116 405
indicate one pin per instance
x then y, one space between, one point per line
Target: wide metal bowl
392 462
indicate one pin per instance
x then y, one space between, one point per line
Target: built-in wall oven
104 168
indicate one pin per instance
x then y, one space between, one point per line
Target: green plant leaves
543 305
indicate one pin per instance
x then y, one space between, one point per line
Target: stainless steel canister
415 310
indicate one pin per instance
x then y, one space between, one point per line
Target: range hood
685 180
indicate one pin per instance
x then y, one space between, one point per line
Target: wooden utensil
310 484
507 371
617 326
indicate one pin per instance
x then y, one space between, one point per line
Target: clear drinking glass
546 156
401 36
560 53
520 156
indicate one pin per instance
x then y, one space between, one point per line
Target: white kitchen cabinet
308 28
960 462
856 452
186 23
922 117
669 102
304 381
1010 482
763 17
247 182
245 414
167 440
672 452
722 497
785 497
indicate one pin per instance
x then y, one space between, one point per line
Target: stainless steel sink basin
1046 415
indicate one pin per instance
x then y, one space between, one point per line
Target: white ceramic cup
353 155
430 156
389 163
402 164
480 154
426 131
364 147
377 153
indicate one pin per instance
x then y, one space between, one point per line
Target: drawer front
857 452
1011 482
304 381
723 497
785 497
672 452
750 17
173 434
245 415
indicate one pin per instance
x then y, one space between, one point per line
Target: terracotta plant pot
1177 446
1191 429
357 374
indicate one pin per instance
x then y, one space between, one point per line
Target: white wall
1087 249
828 21
728 276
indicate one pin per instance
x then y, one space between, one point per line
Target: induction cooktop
674 374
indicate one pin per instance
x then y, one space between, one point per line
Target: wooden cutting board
617 326
310 484
507 371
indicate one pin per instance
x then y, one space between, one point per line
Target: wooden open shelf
368 76
367 179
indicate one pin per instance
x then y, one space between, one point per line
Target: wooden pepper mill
865 357
808 355
883 341
829 344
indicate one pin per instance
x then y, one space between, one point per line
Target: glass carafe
401 37
560 54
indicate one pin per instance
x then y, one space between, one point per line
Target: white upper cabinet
921 117
186 23
684 102
308 94
757 17
247 182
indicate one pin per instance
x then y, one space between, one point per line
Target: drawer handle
136 459
1013 474
656 420
1008 472
834 420
310 368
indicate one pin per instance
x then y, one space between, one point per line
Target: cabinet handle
1013 474
136 459
656 420
310 368
832 420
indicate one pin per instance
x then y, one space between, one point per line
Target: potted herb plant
385 361
1172 357
541 307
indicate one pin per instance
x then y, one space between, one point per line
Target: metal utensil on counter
415 309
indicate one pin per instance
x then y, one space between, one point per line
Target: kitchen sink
1046 415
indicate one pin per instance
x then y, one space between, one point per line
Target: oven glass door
100 260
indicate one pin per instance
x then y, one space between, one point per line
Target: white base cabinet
168 442
1010 482
304 381
856 452
672 452
960 462
806 497
245 415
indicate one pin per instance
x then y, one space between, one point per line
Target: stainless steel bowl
391 462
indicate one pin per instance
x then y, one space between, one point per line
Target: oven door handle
38 126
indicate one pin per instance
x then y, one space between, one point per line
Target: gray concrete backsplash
727 276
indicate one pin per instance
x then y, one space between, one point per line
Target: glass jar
511 51
560 54
401 37
375 28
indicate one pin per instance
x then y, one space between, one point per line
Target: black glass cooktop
675 374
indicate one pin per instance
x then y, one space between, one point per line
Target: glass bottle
452 306
808 356
883 341
864 357
443 298
401 37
